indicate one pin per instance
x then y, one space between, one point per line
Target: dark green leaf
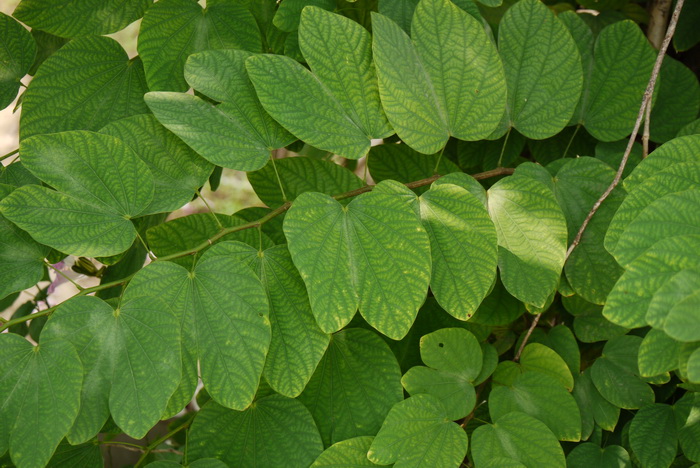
17 53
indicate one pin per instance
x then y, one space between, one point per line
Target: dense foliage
487 334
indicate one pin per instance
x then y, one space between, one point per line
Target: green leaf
589 454
131 361
531 237
676 177
274 431
594 408
97 169
541 358
590 270
541 98
584 40
464 248
658 353
305 106
174 29
373 253
289 12
622 63
339 52
350 453
541 396
677 101
17 175
403 164
201 463
297 344
66 223
16 57
21 259
354 386
37 384
520 437
688 425
616 374
563 342
678 306
455 359
629 302
177 171
653 436
499 307
219 299
84 85
418 433
591 326
84 18
69 456
299 175
679 150
448 81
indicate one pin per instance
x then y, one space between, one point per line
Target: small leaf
531 237
360 255
417 432
653 436
49 376
84 85
540 358
542 98
354 386
589 454
350 453
274 431
299 175
174 29
16 57
520 437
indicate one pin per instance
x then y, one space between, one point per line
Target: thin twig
645 101
11 153
152 446
646 132
66 277
527 336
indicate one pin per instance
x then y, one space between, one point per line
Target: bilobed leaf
541 98
131 361
454 359
629 302
540 358
274 431
616 374
69 456
349 453
80 18
219 299
174 29
542 397
653 436
594 408
676 306
622 63
418 433
589 454
339 52
658 353
584 40
100 170
464 248
520 437
675 214
354 386
84 85
37 384
683 149
177 170
297 343
499 307
299 175
677 101
590 270
688 425
66 223
448 81
372 254
21 258
531 237
17 53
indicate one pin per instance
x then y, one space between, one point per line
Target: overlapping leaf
349 453
531 237
223 311
275 431
84 85
174 29
595 410
335 106
658 353
37 384
447 81
653 436
131 361
677 100
16 56
417 432
373 254
354 386
542 67
590 454
684 149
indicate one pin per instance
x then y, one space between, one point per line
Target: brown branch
527 336
646 101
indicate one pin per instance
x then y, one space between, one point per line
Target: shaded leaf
16 57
